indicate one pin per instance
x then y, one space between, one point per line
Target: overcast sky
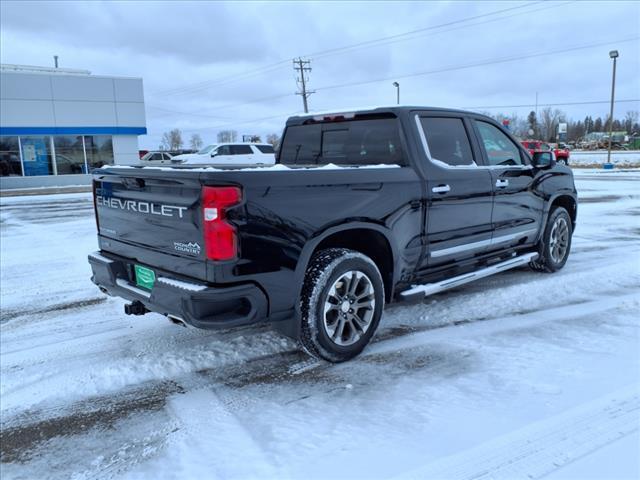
209 66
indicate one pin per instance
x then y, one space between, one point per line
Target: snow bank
629 158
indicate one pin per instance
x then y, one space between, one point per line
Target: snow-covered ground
520 375
620 158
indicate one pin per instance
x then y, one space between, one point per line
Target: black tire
549 259
329 274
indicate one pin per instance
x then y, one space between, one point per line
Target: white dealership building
56 125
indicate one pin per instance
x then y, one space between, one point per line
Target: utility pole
614 55
303 66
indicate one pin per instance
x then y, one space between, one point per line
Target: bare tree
273 139
172 140
195 142
549 122
630 119
227 136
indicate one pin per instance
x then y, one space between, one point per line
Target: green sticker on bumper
145 277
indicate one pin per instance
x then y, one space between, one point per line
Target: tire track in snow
538 449
502 324
24 434
74 305
210 439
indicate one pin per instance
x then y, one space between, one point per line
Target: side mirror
543 159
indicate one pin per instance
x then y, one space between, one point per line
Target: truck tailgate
148 209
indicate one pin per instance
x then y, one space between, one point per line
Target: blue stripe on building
73 131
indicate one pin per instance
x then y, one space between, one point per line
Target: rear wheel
340 305
555 245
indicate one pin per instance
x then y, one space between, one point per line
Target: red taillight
220 237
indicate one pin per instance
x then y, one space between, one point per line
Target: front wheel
555 245
340 304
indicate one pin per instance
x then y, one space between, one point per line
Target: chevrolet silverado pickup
362 208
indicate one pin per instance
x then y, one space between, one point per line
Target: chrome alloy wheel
559 240
349 308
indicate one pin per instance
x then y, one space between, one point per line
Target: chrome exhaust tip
177 320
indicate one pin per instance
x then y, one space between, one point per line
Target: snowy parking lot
520 375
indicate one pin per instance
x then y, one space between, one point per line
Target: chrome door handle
441 189
502 182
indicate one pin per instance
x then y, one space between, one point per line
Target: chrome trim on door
460 248
480 244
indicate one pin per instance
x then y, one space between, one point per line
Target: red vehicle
562 154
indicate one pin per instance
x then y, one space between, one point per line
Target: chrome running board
431 288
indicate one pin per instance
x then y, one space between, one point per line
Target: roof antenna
55 60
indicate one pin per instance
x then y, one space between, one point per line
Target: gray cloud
178 46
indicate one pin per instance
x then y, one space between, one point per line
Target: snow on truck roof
370 110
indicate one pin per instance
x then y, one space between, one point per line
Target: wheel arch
369 239
568 202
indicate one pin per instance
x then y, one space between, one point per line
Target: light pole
612 54
397 85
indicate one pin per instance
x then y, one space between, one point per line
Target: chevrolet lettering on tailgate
141 207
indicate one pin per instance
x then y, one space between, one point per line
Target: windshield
206 149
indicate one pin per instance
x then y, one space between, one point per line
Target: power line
419 30
566 104
229 105
222 81
477 64
245 122
429 33
266 68
442 70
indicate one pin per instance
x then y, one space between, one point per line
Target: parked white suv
229 154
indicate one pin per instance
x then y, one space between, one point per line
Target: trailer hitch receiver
135 308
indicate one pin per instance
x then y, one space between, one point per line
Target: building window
99 150
10 157
69 154
36 155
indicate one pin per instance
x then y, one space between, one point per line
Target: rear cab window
368 140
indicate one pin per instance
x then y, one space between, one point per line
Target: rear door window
447 140
241 150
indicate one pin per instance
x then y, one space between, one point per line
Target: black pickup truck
362 208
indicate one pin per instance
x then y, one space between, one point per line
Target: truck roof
392 109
